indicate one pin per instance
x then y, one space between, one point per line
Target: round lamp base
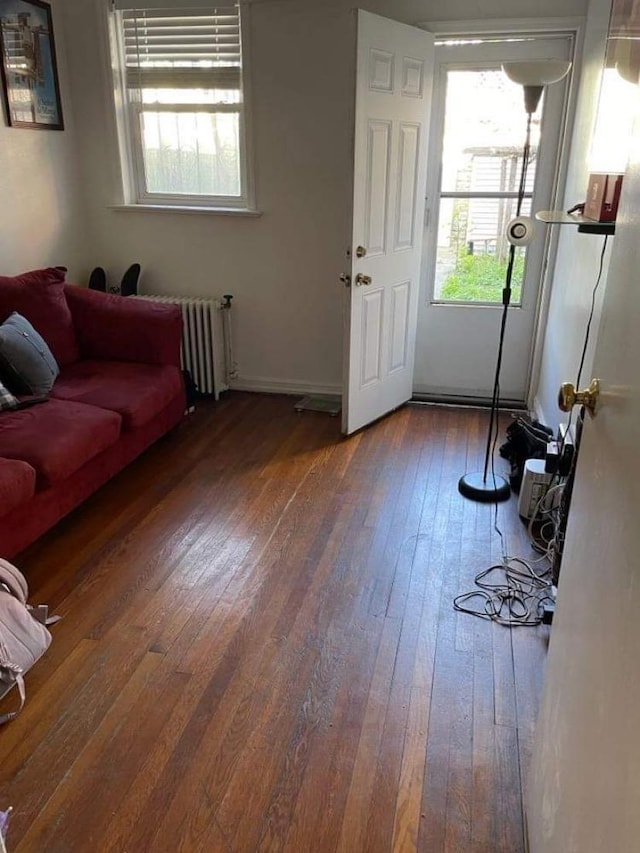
493 490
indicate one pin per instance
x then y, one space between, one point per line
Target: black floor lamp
486 486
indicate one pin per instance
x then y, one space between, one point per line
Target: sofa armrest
125 329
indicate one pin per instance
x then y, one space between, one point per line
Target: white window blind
161 50
182 76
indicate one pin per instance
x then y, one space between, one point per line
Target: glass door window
481 163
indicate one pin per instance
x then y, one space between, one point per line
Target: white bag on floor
24 637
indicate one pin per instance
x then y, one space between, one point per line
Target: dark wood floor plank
239 644
25 781
224 739
109 762
357 808
486 779
315 593
354 589
224 768
364 641
259 649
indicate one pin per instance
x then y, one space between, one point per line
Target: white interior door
393 89
585 782
477 136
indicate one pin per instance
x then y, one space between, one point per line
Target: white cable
552 490
514 600
517 598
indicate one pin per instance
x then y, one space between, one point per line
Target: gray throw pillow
27 364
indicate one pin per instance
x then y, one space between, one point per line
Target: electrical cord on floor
513 593
516 598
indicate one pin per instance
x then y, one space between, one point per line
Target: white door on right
477 136
584 790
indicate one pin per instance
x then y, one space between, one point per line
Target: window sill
182 208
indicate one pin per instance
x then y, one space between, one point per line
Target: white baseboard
267 385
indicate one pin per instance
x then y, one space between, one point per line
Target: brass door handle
361 252
345 278
363 279
568 397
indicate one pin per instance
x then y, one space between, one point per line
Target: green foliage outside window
481 278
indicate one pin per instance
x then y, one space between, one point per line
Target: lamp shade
539 72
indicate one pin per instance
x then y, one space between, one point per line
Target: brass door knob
363 279
361 252
568 397
345 278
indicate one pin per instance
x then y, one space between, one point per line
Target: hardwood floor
259 651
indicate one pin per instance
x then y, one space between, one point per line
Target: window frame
128 118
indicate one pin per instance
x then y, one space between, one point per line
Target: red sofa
120 388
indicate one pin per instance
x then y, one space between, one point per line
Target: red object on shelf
603 195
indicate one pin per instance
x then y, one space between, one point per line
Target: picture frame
28 65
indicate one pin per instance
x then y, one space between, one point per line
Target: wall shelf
585 226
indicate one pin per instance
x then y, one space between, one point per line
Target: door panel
372 337
407 178
380 70
377 186
393 88
400 302
412 77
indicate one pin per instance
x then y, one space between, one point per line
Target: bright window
183 122
481 164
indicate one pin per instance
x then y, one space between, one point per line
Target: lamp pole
533 76
477 486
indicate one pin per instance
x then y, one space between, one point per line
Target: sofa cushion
39 296
57 437
111 328
26 362
138 392
17 484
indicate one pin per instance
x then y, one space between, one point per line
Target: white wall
283 267
578 255
40 214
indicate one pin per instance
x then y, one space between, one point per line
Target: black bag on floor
191 390
526 439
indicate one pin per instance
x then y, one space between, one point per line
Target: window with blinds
182 82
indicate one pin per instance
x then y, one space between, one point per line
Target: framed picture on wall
29 70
